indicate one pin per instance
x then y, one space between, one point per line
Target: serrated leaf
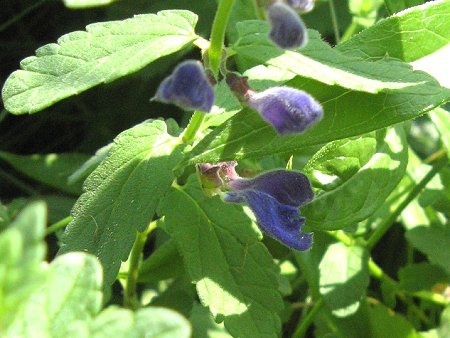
355 177
147 322
89 165
51 169
72 291
320 62
122 194
233 272
399 36
347 114
104 52
22 249
344 278
433 241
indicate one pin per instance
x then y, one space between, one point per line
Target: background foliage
104 228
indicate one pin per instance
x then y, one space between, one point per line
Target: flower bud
187 87
288 110
301 6
287 29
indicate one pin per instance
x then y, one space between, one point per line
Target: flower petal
287 187
187 87
279 221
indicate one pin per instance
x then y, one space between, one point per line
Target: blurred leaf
105 52
234 274
121 195
433 241
344 278
364 11
441 119
165 262
421 276
145 322
395 6
399 36
22 249
320 62
72 291
51 169
77 4
386 323
355 176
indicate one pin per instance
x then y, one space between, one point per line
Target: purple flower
187 87
274 198
287 29
301 6
287 109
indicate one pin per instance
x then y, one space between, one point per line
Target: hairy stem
193 126
301 329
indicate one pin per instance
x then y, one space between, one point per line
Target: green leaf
355 176
386 323
347 114
51 169
441 119
22 249
88 167
122 194
77 4
421 276
105 52
320 62
344 278
395 6
433 241
165 262
204 326
399 36
147 322
72 291
234 274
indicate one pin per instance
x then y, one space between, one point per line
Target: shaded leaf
22 249
355 176
386 323
104 52
421 276
399 36
77 4
51 169
234 273
121 195
344 278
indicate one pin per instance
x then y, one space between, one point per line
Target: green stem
384 227
130 296
334 21
218 34
193 126
3 114
19 16
58 225
18 183
309 318
350 31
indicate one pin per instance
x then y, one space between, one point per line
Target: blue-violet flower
301 6
187 87
287 29
274 197
288 110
